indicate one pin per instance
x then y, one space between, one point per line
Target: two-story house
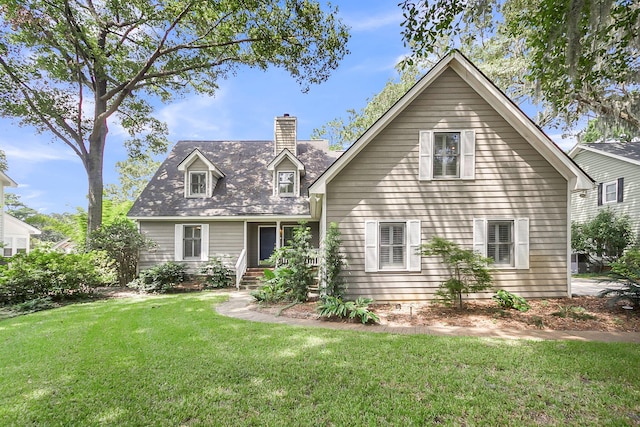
616 168
14 234
453 158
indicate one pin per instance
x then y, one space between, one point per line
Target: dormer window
286 184
200 175
197 184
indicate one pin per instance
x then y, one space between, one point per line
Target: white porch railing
241 267
313 260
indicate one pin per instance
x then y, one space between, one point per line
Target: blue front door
267 242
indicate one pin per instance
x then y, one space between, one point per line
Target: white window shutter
468 150
425 168
522 243
178 237
413 245
480 236
370 246
204 252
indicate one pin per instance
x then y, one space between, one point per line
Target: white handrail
241 267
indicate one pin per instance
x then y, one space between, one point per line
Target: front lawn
171 360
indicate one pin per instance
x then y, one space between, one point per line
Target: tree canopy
580 57
69 67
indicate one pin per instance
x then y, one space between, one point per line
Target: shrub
216 274
295 258
332 263
122 241
160 278
331 306
275 288
41 274
508 300
625 272
468 270
603 239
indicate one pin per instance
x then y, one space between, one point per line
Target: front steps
252 278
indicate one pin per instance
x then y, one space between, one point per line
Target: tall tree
582 56
133 174
68 66
341 133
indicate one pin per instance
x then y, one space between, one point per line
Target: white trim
178 243
253 218
189 177
521 238
196 154
280 157
604 192
296 185
412 242
575 150
5 181
490 93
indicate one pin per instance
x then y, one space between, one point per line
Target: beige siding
605 169
226 238
512 180
285 134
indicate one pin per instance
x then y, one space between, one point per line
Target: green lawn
171 360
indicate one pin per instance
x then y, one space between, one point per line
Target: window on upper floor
611 192
286 184
197 184
447 155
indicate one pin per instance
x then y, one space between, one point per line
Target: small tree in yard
122 242
332 263
296 256
603 239
468 270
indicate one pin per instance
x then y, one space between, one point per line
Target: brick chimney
286 134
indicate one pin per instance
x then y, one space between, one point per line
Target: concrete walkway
584 286
239 302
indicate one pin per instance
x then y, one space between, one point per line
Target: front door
266 242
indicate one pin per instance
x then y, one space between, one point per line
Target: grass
171 360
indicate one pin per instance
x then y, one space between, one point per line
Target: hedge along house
453 158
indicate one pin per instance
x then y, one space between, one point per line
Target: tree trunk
94 166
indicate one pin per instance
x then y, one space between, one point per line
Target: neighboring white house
5 181
17 235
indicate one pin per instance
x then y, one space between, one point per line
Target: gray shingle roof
246 189
629 150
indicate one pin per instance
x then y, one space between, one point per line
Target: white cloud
37 152
198 116
376 22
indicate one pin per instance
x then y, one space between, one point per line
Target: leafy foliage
332 264
160 278
217 274
508 300
581 57
54 56
603 239
626 273
122 242
330 306
41 274
468 270
276 288
293 259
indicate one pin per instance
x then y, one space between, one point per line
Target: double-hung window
191 242
392 245
286 184
197 184
611 192
505 241
447 155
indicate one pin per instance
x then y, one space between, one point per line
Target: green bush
41 274
468 270
625 272
295 258
216 274
332 264
160 278
276 287
508 300
122 242
331 306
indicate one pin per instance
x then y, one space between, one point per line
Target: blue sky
52 179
